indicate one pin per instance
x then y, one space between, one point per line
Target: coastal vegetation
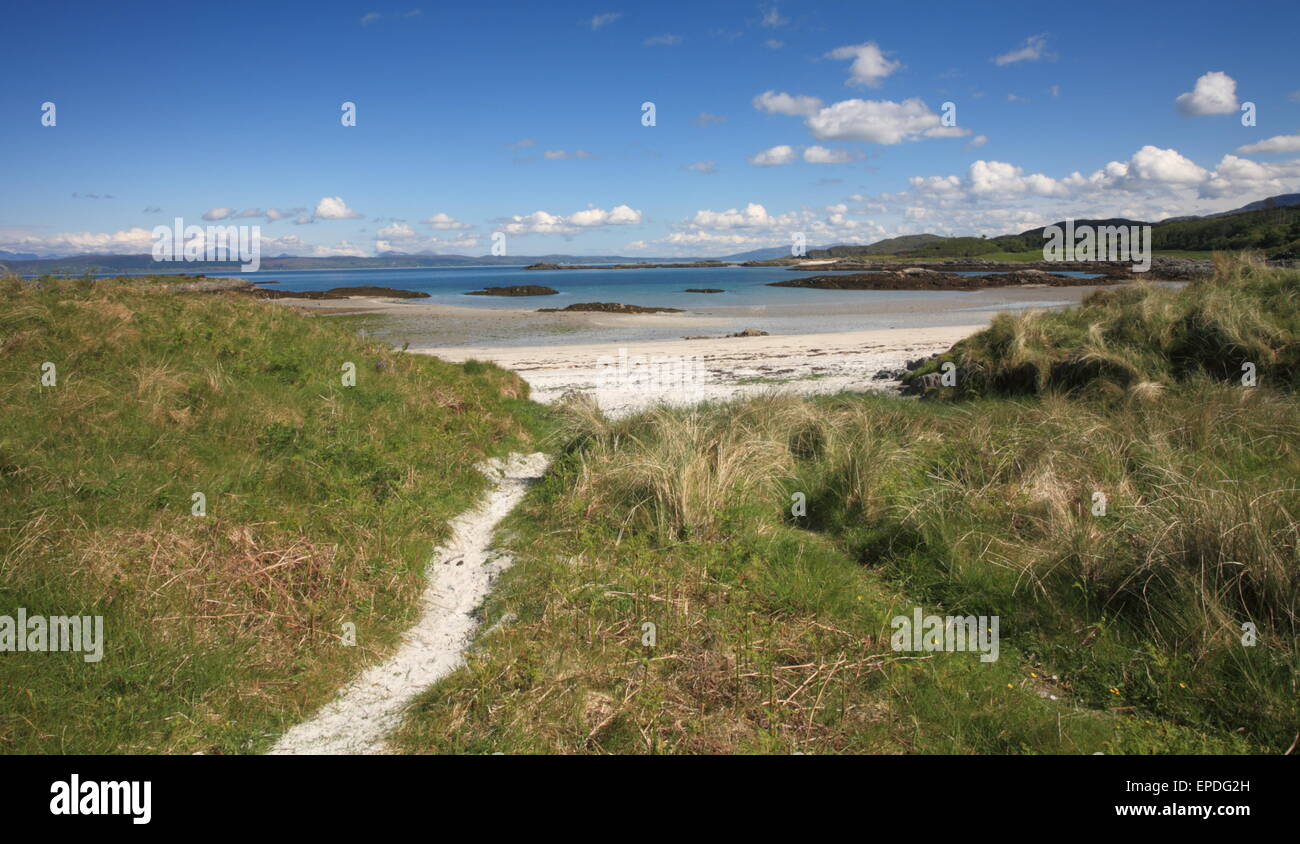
1110 481
918 278
1275 231
1135 529
320 503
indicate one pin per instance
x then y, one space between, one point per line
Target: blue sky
526 118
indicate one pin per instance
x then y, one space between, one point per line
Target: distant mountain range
1271 224
1282 199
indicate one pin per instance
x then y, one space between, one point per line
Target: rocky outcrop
923 384
515 290
1179 269
339 293
610 308
924 278
692 265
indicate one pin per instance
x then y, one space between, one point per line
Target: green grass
322 505
1138 341
1121 633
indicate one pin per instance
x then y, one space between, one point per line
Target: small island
515 290
705 290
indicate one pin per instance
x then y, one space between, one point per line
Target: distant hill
1271 225
889 246
1283 199
17 256
753 255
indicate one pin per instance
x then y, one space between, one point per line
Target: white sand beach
629 376
632 361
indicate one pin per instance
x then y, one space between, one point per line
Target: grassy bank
322 504
1121 630
1141 340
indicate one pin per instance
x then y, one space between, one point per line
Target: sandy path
459 576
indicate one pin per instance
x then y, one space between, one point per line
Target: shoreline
628 376
629 362
422 323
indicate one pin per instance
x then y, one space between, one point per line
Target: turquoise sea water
744 286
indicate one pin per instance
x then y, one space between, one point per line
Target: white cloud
821 155
752 216
131 241
402 238
705 118
946 132
777 155
773 44
559 154
342 248
1152 184
937 185
777 103
395 231
1000 179
1152 165
977 142
538 222
772 18
869 63
542 222
597 21
1215 93
1277 143
217 213
1035 48
988 180
334 208
663 40
619 215
750 227
1241 177
707 167
444 222
877 122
